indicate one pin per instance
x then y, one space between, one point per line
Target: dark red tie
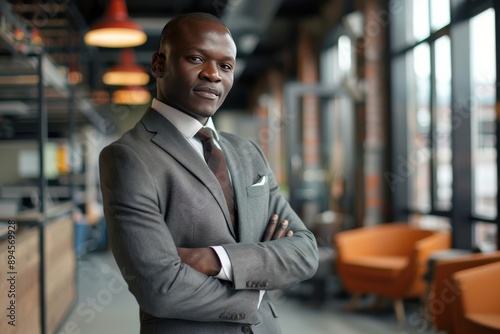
216 162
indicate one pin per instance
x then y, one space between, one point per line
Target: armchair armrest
437 241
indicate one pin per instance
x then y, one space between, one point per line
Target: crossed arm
206 261
162 276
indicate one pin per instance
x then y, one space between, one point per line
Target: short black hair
174 23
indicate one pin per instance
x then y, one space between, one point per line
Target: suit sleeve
146 254
275 264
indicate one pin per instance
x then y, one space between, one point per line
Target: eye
226 67
195 59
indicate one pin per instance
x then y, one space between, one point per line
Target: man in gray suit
171 230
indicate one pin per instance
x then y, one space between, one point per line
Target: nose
210 71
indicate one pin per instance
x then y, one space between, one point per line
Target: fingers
280 230
276 231
271 226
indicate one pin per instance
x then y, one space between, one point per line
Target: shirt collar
186 124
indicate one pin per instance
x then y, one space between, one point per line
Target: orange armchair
478 305
387 260
443 293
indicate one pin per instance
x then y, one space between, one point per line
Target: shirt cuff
226 271
261 295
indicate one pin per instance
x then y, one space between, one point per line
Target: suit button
247 330
249 284
265 284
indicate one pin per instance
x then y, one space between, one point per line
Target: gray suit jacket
159 194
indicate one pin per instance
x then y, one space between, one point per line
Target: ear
158 64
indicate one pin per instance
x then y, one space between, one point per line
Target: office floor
105 306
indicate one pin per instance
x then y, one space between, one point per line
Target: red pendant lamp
127 72
115 30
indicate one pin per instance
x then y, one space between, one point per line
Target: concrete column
376 110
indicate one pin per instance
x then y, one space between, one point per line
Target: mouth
207 92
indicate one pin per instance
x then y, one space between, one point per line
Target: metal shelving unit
37 104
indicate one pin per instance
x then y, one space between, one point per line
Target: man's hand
204 260
276 231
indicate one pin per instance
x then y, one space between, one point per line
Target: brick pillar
308 74
275 122
376 105
262 114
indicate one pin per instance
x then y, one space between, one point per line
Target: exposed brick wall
308 74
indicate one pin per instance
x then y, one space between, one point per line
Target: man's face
197 68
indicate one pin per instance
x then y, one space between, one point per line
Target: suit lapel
175 144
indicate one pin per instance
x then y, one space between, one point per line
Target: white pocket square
261 181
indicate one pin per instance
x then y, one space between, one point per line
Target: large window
483 72
483 118
442 124
444 58
429 108
419 140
